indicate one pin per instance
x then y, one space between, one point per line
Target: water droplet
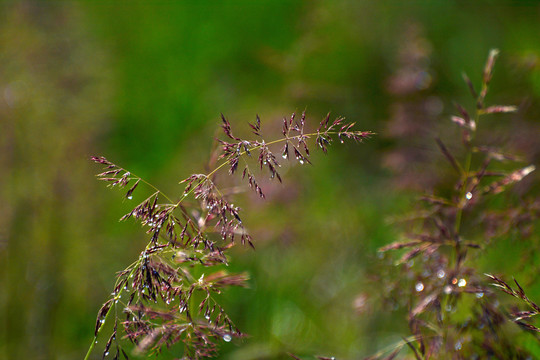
130 197
284 156
107 353
458 345
462 282
480 295
448 308
301 161
419 286
168 301
95 342
125 287
441 274
468 196
447 289
227 337
207 317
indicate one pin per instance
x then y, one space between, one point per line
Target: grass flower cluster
158 300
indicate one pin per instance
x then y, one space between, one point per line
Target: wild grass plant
453 311
170 293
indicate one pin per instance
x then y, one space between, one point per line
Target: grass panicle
157 301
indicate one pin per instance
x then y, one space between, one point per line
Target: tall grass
170 293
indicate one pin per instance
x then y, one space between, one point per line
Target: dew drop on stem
227 338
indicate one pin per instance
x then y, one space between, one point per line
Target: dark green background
143 83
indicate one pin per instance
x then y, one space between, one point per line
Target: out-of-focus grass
144 85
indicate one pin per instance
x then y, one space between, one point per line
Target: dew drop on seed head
301 162
458 345
130 197
468 196
480 295
227 337
462 282
419 286
207 317
441 274
447 289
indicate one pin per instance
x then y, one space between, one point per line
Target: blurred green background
143 83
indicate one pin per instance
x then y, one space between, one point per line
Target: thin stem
94 340
466 172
